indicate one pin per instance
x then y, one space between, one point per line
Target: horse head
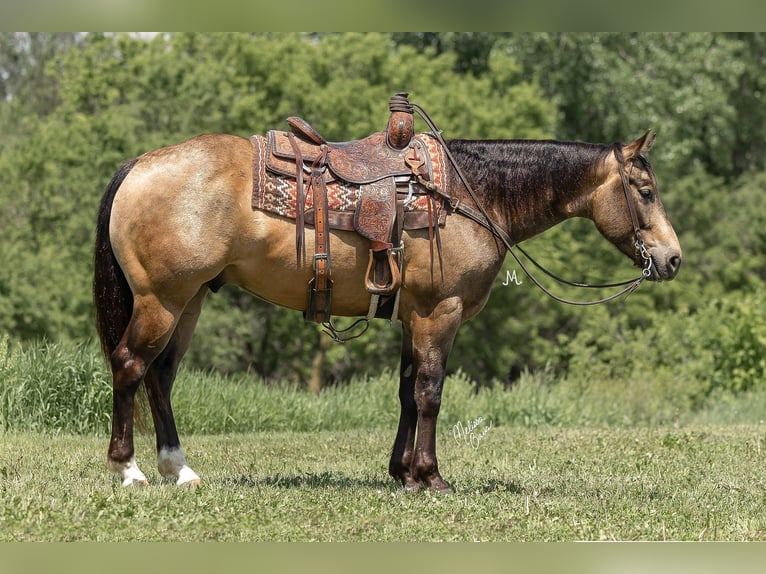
627 210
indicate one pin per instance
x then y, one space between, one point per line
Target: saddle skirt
357 181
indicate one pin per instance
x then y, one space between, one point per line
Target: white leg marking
171 463
129 471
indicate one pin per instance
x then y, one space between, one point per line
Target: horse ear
641 146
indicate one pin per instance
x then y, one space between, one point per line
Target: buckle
317 257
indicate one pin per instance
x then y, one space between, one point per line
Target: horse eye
645 192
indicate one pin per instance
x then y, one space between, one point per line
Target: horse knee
127 369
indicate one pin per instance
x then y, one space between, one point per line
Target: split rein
482 218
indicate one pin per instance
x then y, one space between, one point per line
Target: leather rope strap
322 267
300 200
625 178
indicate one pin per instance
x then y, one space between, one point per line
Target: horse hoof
411 485
129 472
187 476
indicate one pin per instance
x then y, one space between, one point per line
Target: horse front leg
432 339
404 445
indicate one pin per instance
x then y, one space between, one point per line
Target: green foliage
680 362
739 361
73 107
53 388
611 86
675 373
212 404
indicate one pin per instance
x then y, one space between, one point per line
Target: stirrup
390 281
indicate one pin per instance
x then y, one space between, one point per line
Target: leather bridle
639 241
481 217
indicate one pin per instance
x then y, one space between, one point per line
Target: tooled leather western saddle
373 186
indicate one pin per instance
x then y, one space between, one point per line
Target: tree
25 58
117 96
74 107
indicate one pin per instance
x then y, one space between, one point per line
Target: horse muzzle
665 263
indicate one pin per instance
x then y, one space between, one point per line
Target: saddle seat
358 161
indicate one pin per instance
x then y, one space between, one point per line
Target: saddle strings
499 233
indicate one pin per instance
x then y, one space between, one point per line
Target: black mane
517 177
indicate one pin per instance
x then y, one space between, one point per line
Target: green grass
565 459
696 483
59 388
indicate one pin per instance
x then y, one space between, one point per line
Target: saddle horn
401 123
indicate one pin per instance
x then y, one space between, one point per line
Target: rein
481 217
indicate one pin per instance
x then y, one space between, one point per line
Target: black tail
111 294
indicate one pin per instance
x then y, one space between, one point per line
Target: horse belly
267 266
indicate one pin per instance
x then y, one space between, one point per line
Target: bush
680 368
738 343
53 388
686 359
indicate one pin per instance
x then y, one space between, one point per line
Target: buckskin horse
182 220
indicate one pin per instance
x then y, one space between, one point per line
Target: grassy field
697 483
563 460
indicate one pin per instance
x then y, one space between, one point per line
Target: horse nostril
674 262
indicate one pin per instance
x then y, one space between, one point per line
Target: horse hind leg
146 336
159 379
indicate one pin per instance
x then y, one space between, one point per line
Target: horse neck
529 186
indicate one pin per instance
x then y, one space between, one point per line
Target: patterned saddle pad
274 191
